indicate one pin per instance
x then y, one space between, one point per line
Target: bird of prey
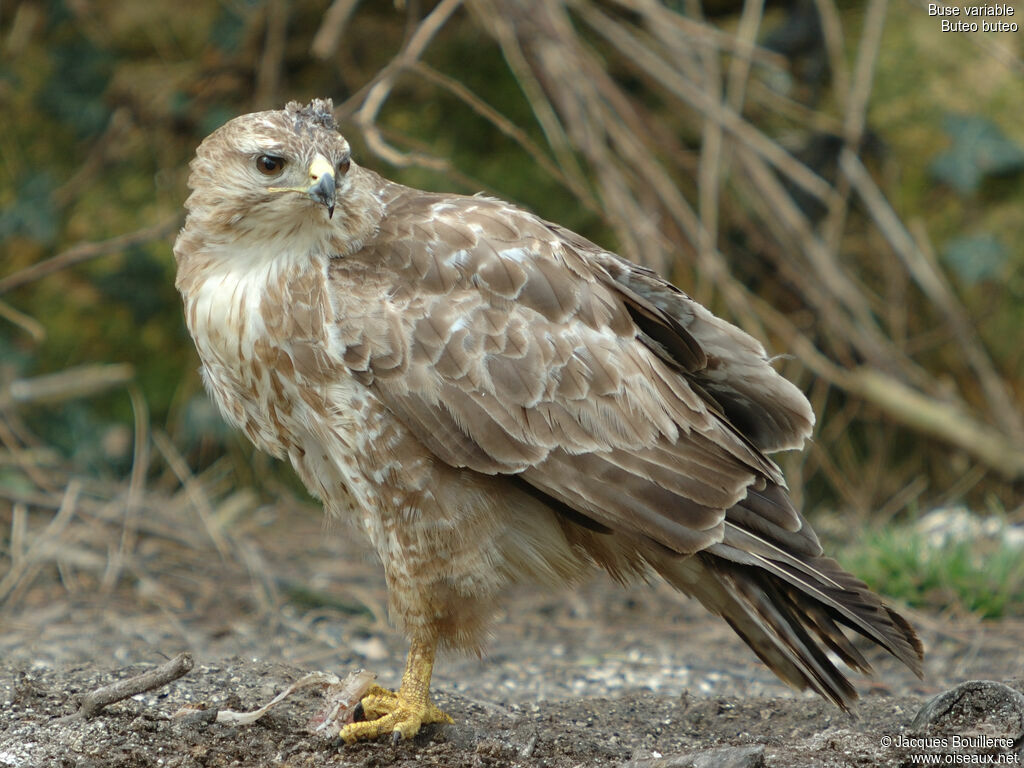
493 399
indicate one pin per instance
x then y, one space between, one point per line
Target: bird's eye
269 165
343 165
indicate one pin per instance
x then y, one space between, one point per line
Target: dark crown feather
319 112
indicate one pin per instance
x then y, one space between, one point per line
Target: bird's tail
790 613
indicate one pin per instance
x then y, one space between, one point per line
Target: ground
597 676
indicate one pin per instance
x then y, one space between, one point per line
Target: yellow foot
401 714
386 712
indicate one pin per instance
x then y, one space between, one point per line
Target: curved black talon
358 713
396 737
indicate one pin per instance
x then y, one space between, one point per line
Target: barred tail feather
790 618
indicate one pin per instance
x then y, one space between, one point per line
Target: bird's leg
401 712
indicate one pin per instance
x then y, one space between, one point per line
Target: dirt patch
599 676
638 727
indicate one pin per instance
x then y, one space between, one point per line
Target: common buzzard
494 398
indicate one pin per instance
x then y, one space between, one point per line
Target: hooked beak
321 188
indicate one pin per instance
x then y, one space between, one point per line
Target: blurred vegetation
953 571
853 195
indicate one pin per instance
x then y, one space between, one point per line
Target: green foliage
228 30
13 360
214 118
14 480
976 258
979 150
73 94
32 212
76 430
984 576
133 282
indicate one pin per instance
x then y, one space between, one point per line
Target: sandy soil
600 676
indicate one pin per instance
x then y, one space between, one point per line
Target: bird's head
274 174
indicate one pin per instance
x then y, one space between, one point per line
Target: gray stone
986 704
717 757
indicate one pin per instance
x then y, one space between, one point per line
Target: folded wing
511 346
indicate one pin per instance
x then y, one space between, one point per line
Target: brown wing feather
525 356
513 347
528 351
771 412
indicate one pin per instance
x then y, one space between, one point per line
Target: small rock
718 757
975 705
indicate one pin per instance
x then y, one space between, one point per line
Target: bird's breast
273 347
262 334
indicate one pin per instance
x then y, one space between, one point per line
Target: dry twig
24 570
69 384
158 677
268 76
379 92
85 251
748 135
28 324
924 269
194 489
326 40
856 114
